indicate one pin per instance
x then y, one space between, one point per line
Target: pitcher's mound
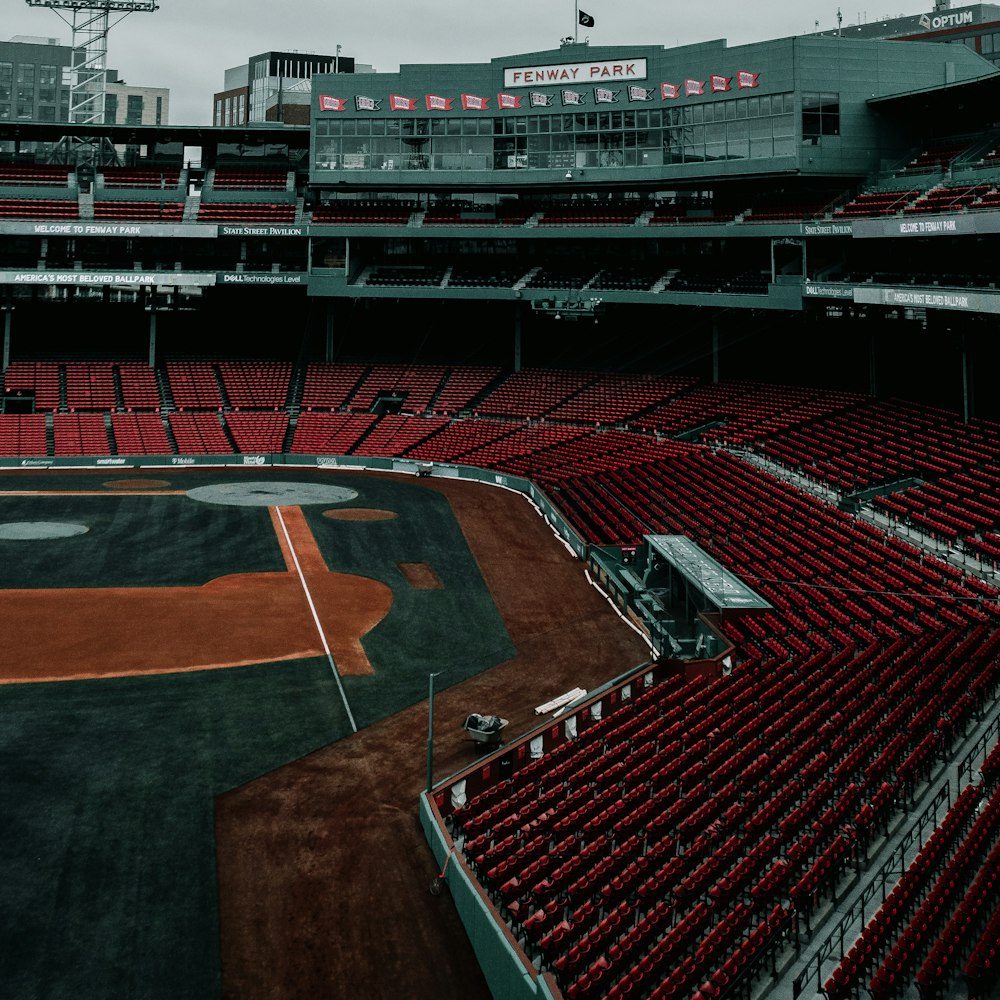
360 514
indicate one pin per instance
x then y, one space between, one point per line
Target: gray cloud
187 44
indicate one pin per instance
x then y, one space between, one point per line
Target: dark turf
107 844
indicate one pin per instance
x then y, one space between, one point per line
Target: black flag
586 20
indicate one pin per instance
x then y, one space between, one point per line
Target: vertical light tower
90 21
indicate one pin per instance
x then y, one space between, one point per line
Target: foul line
319 627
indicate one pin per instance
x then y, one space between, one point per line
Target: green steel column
330 329
7 310
152 334
518 310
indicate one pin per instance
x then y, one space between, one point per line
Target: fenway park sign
619 70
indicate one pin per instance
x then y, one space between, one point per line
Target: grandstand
706 299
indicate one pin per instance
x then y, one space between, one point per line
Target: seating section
649 857
934 159
35 378
199 434
329 386
396 434
937 915
139 388
407 276
416 385
950 199
361 214
462 386
591 215
330 433
80 434
157 178
242 179
877 203
258 432
534 392
279 213
140 434
90 386
22 434
39 208
470 215
672 215
257 385
140 211
194 385
34 175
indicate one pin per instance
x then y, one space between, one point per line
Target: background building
34 84
126 105
275 86
977 27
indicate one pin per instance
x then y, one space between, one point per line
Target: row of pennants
602 95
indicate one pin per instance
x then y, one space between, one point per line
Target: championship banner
745 79
668 91
397 103
572 97
693 87
470 102
367 104
604 96
720 83
537 100
508 101
434 103
332 103
639 94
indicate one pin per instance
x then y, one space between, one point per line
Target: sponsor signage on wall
977 222
159 279
960 300
120 279
144 229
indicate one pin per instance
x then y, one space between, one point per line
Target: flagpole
576 22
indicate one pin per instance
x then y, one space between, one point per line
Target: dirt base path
230 621
323 868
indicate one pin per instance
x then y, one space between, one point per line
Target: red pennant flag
745 79
332 103
508 101
693 87
472 103
435 103
668 91
720 83
397 103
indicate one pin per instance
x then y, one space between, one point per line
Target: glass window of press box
757 127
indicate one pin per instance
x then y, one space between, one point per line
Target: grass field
107 786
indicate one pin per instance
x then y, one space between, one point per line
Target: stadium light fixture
115 6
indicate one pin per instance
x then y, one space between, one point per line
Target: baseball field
213 721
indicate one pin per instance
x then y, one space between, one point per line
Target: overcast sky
187 44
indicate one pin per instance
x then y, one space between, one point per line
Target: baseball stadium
532 532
